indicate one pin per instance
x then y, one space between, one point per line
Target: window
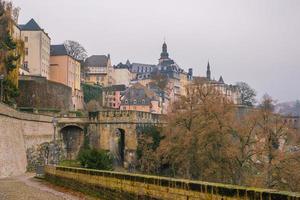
25 64
26 39
26 51
134 102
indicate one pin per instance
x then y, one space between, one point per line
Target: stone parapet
117 185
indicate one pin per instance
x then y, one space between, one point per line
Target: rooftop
115 88
97 61
58 50
32 25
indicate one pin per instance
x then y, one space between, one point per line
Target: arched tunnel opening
73 138
117 147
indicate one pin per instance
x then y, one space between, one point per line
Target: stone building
112 96
141 71
122 74
99 70
169 68
228 90
66 70
146 73
165 96
140 98
37 49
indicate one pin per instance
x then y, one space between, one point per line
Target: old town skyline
271 48
149 99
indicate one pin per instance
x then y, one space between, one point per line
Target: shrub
95 159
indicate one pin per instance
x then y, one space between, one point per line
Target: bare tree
205 138
278 140
198 134
247 94
75 50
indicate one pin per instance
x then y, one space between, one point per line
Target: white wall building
37 49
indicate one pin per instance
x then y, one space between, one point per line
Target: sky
255 41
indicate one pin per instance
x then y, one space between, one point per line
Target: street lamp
54 122
52 146
1 88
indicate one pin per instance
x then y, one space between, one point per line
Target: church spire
164 54
221 79
208 72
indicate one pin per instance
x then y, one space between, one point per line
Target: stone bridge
112 130
24 135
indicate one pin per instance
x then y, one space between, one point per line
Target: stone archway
117 146
73 138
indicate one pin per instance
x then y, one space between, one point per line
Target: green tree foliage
92 92
95 159
11 51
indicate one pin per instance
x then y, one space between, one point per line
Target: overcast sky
256 41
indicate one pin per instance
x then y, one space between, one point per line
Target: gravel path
27 188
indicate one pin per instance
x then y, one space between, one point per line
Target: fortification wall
19 132
39 92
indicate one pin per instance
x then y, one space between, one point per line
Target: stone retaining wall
38 92
19 132
115 185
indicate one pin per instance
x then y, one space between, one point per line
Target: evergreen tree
11 52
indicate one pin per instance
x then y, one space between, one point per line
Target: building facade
112 96
37 49
122 75
229 91
99 70
140 98
66 70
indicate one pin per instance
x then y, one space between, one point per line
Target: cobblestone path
27 188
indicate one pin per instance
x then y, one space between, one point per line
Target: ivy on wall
92 92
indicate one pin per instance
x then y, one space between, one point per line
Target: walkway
28 188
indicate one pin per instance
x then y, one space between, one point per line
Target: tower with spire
164 54
208 72
164 59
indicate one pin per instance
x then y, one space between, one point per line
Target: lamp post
1 88
54 122
53 151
